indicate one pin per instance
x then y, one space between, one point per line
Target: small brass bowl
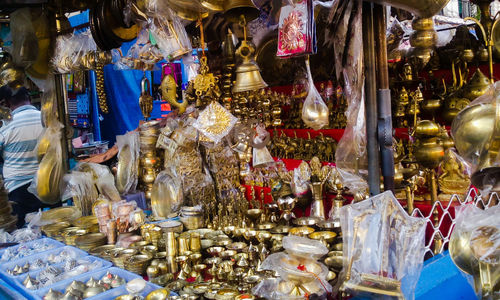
250 234
302 231
327 236
306 221
266 226
228 253
238 232
238 246
206 243
192 222
281 229
100 251
170 226
139 244
334 262
149 249
338 247
159 255
215 251
160 294
330 225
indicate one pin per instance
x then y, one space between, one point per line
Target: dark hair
14 98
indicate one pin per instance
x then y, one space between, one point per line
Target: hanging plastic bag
261 155
170 35
47 180
315 111
166 196
24 40
103 179
128 162
81 188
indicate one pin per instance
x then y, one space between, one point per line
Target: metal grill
439 240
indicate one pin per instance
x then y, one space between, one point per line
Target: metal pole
383 98
371 100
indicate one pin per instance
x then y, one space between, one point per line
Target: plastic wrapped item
25 234
48 111
383 247
128 162
314 111
261 155
24 40
122 211
350 155
48 178
475 247
81 188
104 180
301 178
170 35
303 247
166 196
215 122
70 51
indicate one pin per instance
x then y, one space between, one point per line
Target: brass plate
61 214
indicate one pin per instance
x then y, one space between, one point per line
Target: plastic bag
24 40
301 179
166 196
314 111
382 245
81 188
71 50
128 162
103 179
170 35
261 155
475 246
215 122
48 178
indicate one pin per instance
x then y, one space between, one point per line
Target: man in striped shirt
18 140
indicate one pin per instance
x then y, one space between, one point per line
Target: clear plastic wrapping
301 179
475 247
81 188
24 41
103 179
73 52
383 247
128 162
47 181
170 35
300 275
261 155
215 122
166 196
314 111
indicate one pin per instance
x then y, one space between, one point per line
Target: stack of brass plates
7 221
61 214
103 252
70 234
90 240
108 26
138 263
88 223
55 230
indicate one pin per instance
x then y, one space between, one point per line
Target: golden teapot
477 86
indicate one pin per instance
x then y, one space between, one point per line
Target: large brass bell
424 8
233 9
248 76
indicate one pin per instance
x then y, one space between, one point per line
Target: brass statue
454 179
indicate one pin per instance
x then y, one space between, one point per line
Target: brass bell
248 76
233 9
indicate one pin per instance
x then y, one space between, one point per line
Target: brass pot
422 24
429 152
477 86
423 39
426 128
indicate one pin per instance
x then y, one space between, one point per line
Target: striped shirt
18 141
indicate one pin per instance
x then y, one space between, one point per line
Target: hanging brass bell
233 9
248 76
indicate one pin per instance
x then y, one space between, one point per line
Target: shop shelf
18 281
61 287
30 259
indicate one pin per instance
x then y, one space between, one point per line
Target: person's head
13 99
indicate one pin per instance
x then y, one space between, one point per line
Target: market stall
237 149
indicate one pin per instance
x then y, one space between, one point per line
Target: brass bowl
335 262
138 244
215 251
250 234
228 253
266 226
301 231
192 222
206 243
149 250
160 294
226 294
100 250
238 246
281 229
327 236
306 221
333 224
